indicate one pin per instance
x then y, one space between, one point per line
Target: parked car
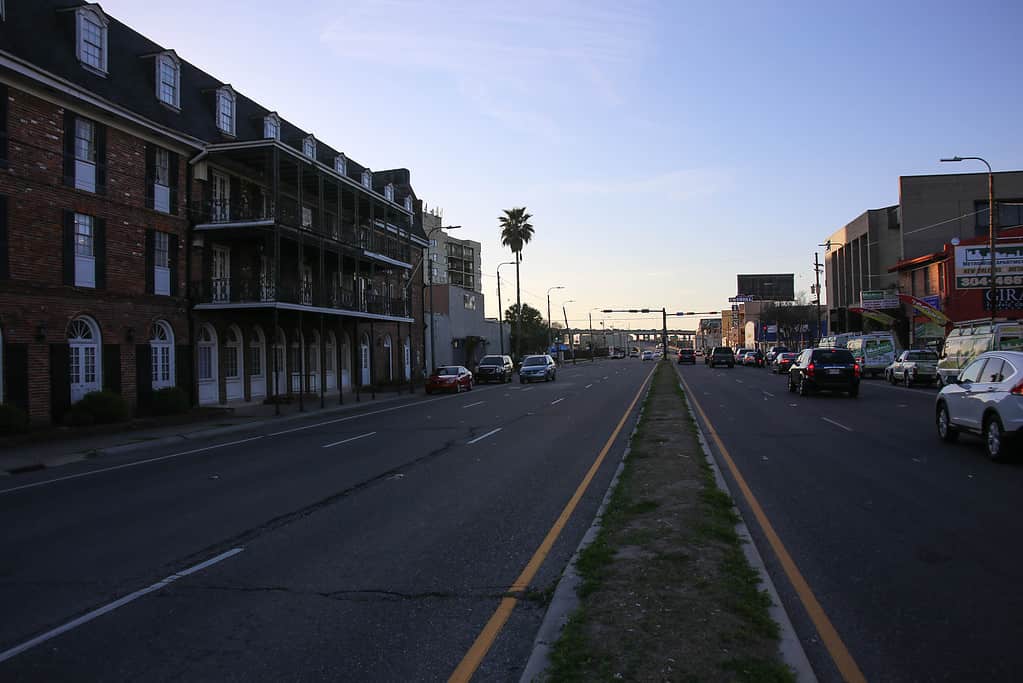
495 369
537 368
749 359
634 352
740 354
686 356
648 355
913 366
449 378
986 398
783 362
825 369
773 352
722 355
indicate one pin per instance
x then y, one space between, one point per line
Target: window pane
972 372
90 364
83 235
162 167
92 43
992 371
162 246
85 149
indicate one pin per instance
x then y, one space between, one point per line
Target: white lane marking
554 403
837 424
605 376
528 388
129 464
480 438
477 403
738 381
768 393
354 438
587 386
120 602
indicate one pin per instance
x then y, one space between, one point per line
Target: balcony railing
262 290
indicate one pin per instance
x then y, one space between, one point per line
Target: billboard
973 265
776 287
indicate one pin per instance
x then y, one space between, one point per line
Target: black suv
494 369
722 355
828 369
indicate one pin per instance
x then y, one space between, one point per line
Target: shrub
170 401
105 407
79 416
13 420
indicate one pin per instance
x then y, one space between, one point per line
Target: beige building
453 261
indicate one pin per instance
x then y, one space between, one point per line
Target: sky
661 147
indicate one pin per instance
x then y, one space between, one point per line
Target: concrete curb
566 597
789 645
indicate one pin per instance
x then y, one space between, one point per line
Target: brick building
158 228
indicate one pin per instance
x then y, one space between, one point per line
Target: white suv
987 399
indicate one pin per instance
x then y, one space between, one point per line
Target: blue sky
662 147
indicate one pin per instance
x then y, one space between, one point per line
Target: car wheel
803 388
994 438
889 376
429 391
906 380
469 388
946 432
458 387
792 385
522 380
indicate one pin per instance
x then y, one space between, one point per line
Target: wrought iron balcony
303 293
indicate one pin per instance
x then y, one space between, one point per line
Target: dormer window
168 79
272 126
389 192
341 164
367 179
225 110
91 25
309 147
408 203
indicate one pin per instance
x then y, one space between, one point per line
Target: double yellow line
847 666
485 640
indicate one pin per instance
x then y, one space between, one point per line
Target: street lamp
991 226
550 326
433 356
571 344
500 325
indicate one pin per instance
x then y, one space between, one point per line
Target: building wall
34 298
864 250
938 208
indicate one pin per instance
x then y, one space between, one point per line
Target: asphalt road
368 546
910 545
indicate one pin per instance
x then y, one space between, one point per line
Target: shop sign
875 300
1009 299
973 266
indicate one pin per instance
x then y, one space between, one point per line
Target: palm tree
516 231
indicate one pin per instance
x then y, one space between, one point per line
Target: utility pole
571 343
664 338
500 324
592 349
817 266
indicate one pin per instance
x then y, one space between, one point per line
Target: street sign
744 298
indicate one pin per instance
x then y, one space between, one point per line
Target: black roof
42 32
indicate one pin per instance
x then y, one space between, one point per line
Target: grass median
666 591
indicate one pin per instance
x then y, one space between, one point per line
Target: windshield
492 360
535 360
836 356
444 372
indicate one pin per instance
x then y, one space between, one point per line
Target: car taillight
1017 390
856 369
809 369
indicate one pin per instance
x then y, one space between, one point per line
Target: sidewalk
61 451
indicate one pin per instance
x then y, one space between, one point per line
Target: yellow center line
485 640
847 666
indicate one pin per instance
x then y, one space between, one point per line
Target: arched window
390 358
206 348
161 345
364 360
407 357
85 362
234 364
255 363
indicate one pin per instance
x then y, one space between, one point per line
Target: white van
972 338
874 351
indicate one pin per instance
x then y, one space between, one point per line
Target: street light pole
550 324
571 343
500 324
817 274
992 227
433 356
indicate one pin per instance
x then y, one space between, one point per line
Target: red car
450 378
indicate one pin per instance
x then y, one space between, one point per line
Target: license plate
834 372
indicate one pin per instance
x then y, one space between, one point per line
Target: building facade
452 261
160 229
461 333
